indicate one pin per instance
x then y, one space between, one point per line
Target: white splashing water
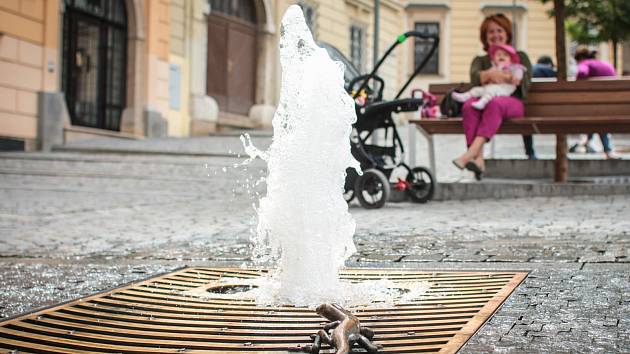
303 221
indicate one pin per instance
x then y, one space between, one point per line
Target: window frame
357 58
240 10
427 43
311 20
106 26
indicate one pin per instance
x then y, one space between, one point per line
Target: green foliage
580 34
592 21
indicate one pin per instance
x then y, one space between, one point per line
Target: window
309 17
423 46
357 39
241 9
95 62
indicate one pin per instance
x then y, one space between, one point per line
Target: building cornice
505 7
432 6
368 5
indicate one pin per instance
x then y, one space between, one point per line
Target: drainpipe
377 19
514 23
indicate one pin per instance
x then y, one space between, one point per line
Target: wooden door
231 63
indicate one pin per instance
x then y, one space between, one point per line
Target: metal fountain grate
175 313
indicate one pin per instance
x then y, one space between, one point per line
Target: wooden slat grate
174 313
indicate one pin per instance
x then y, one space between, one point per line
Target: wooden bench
560 108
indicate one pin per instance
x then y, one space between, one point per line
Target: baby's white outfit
489 91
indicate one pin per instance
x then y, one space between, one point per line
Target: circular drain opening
230 289
400 291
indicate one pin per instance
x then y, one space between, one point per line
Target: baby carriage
381 161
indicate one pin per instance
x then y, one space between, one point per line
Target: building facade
72 69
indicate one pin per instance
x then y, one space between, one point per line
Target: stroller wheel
348 195
421 185
348 188
372 189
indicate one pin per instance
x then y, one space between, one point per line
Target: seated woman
481 125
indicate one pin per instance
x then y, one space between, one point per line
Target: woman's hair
545 60
500 20
583 52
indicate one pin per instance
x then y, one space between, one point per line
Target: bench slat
592 85
579 97
594 111
536 125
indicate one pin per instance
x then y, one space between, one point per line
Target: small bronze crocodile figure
342 332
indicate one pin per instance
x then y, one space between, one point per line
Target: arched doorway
231 65
95 62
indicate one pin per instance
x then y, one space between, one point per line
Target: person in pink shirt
589 66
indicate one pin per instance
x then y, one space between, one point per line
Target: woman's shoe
473 167
612 156
455 162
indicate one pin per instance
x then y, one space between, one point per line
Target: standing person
481 125
589 66
543 68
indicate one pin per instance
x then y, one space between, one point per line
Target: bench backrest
599 97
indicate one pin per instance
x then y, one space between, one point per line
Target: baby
503 58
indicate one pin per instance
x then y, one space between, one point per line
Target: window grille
95 61
423 46
241 9
357 45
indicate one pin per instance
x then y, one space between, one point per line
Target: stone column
53 116
132 116
204 109
262 112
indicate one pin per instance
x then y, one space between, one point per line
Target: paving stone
423 258
466 258
61 236
507 258
379 258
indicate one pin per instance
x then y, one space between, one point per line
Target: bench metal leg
562 164
411 160
431 146
432 155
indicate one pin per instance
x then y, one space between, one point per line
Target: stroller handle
403 37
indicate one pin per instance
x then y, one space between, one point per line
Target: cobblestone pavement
74 224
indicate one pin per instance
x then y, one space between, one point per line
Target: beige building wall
541 31
333 20
158 38
459 32
178 117
173 32
26 48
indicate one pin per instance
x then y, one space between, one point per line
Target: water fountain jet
304 221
